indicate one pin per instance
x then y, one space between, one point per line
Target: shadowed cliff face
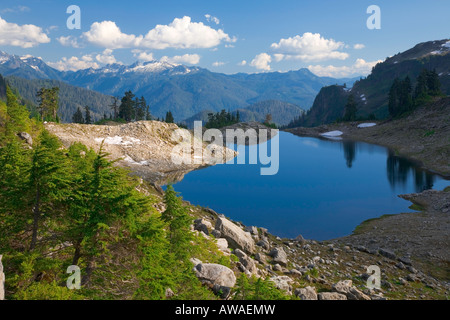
145 147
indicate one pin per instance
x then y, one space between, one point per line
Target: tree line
222 119
402 98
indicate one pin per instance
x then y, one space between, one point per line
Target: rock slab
236 237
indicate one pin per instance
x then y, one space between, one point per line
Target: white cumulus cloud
74 63
106 57
69 41
360 67
211 18
107 34
262 62
218 64
359 46
308 47
242 63
25 36
142 55
181 33
186 58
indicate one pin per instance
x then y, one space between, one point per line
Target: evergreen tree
400 99
422 85
78 116
48 103
2 88
87 117
178 222
15 164
433 83
350 109
104 194
169 117
49 180
115 107
126 109
18 115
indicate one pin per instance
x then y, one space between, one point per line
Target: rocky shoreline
308 269
423 237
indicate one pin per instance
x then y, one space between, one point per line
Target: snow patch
367 125
335 133
130 160
117 140
447 44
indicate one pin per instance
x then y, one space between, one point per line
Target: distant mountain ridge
181 89
371 93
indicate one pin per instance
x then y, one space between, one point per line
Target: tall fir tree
103 195
127 107
18 115
178 224
87 115
49 181
169 117
78 116
48 103
350 109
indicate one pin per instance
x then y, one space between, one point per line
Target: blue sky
223 36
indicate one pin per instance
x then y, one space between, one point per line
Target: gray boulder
246 261
263 243
346 288
282 283
300 239
216 233
387 253
252 230
26 137
222 244
202 225
236 237
279 256
215 274
308 293
331 296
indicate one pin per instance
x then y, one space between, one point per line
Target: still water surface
323 189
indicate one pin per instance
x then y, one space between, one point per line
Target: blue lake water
323 188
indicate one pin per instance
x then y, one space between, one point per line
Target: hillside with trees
375 95
70 98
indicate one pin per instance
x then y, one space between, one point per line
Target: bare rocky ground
308 269
145 147
421 238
